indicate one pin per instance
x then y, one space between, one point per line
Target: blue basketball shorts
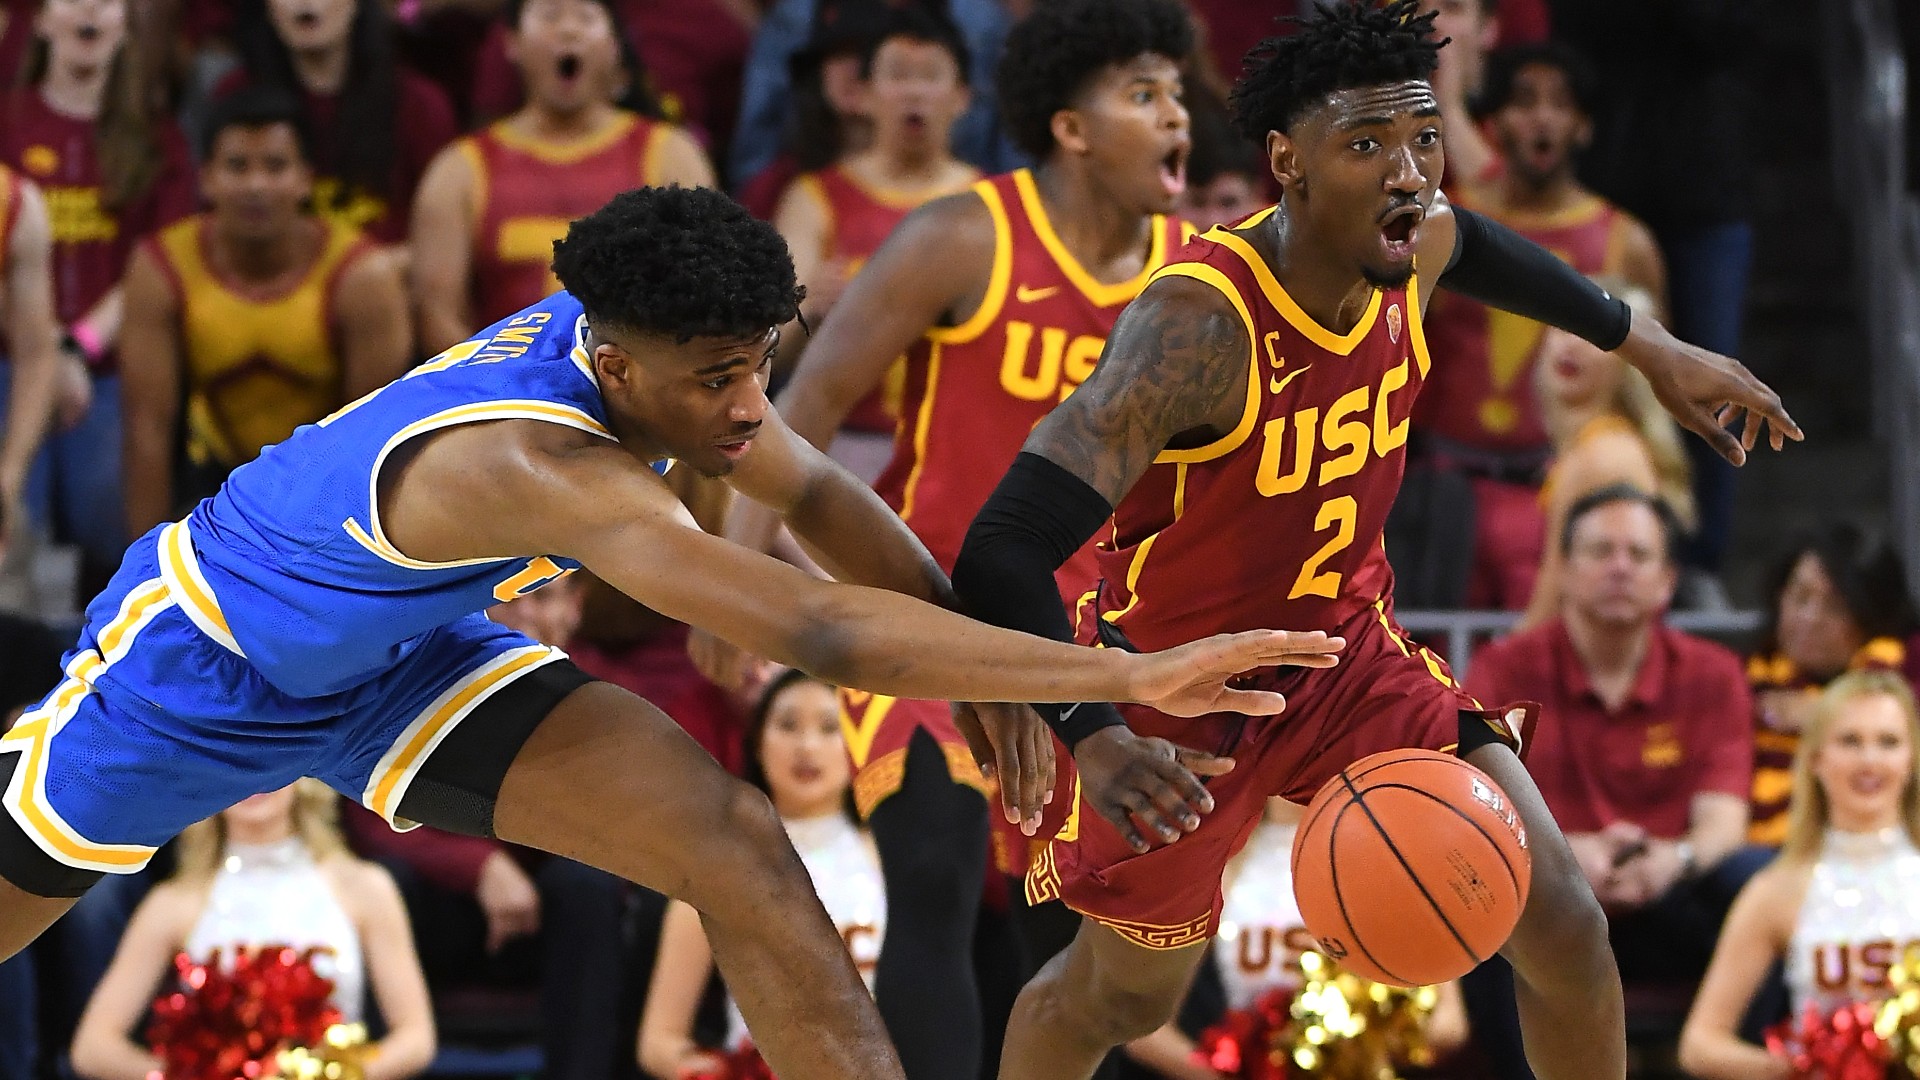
157 725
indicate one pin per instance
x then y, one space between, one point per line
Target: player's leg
1101 991
932 837
609 780
1565 981
25 916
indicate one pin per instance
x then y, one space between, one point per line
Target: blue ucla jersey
288 564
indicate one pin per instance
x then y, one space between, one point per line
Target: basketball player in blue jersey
320 616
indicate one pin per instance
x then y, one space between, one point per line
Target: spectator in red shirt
84 126
1643 751
375 124
485 911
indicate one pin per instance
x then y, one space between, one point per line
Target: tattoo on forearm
1172 367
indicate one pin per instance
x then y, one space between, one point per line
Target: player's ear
1283 158
613 364
1069 131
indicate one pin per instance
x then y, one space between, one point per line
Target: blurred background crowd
226 218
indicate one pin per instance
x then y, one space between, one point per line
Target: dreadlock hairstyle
680 263
1055 52
1346 45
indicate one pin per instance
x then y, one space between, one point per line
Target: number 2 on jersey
1339 514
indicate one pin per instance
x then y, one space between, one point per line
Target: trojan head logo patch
1393 324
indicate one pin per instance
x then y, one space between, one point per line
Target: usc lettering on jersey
258 365
1278 523
527 191
974 391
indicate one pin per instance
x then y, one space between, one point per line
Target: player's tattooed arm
1175 373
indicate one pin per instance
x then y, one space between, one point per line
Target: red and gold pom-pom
1840 1045
229 1022
1241 1045
742 1064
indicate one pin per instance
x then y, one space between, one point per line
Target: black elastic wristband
1037 517
1074 722
1502 269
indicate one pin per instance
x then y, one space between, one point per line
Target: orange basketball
1411 867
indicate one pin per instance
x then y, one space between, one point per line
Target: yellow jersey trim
922 427
180 569
387 786
1250 415
565 153
469 148
651 153
1102 294
1416 325
1338 344
1139 562
995 298
374 539
25 796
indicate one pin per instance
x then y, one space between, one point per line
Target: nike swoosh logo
1069 710
1033 296
1275 383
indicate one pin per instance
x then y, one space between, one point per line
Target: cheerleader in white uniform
796 754
1259 944
1842 901
271 870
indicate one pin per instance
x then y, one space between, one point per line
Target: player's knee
1120 1013
745 856
1563 921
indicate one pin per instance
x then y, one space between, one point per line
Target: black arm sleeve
1500 268
1033 523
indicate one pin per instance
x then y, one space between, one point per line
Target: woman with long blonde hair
1607 428
1841 904
272 870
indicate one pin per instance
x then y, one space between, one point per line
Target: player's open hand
1146 787
1011 744
1707 392
1195 679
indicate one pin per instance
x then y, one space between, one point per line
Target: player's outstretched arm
1704 390
522 489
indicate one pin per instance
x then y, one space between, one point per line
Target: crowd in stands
223 219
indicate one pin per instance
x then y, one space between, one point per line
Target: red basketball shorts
878 730
1386 693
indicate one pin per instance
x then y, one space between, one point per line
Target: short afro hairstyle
254 107
1346 45
1504 67
1054 53
678 262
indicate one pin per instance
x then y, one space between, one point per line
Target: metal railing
1867 78
1463 631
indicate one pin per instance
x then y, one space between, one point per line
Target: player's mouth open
568 66
1173 170
736 447
1400 230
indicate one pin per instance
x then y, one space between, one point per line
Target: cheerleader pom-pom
1242 1045
341 1054
1350 1028
1840 1045
229 1022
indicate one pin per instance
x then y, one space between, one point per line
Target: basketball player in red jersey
1001 298
1478 412
1245 432
836 218
492 204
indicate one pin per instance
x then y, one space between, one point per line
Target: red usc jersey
860 219
528 191
1278 523
91 243
974 391
1482 394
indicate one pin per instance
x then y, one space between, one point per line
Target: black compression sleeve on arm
1036 519
1500 268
